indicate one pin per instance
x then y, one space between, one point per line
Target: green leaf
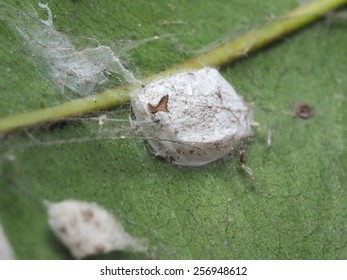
296 208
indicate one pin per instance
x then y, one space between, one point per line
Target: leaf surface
296 208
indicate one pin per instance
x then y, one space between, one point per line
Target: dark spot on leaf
303 110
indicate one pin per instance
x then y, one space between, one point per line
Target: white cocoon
205 121
6 252
82 70
86 229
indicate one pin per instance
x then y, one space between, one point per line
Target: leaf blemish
303 110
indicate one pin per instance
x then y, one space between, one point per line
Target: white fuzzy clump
81 70
204 121
6 251
87 229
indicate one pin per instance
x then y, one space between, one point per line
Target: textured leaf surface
296 208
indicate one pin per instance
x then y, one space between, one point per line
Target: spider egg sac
192 118
87 229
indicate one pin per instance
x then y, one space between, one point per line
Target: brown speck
99 249
243 158
161 106
303 110
87 214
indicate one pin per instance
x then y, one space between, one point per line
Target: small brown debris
303 110
161 106
87 214
244 165
243 158
99 249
